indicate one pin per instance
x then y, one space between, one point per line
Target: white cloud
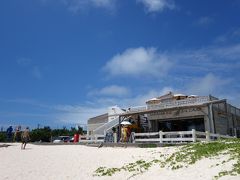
70 114
233 35
138 99
217 59
112 90
142 98
58 114
79 114
209 84
157 5
209 70
231 52
138 62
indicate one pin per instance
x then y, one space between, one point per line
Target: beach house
175 112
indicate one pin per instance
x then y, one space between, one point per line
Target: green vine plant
187 155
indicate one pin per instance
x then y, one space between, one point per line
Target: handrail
107 126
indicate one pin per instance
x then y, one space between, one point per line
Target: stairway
106 127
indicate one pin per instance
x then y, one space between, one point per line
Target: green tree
3 136
41 134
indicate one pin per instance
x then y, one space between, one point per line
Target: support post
95 138
235 132
207 136
133 137
119 128
194 135
211 119
115 137
161 137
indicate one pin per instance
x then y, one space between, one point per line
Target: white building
175 112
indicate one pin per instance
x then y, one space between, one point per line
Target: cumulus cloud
204 71
112 90
138 62
157 5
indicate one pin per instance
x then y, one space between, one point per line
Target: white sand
79 162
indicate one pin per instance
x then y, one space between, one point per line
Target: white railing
106 127
177 103
92 138
137 109
176 136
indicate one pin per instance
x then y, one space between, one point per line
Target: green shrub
147 145
3 137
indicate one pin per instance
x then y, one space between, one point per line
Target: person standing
9 133
25 138
17 134
124 134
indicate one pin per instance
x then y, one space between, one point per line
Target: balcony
178 103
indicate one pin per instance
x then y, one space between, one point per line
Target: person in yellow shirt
124 134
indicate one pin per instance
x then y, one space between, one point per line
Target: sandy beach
41 162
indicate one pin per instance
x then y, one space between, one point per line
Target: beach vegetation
187 155
147 145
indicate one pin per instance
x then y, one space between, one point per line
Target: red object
76 138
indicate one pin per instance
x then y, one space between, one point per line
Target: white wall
113 112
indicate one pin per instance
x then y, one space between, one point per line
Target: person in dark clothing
9 133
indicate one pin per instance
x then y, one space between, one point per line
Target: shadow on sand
4 145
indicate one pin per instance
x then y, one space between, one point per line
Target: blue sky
63 61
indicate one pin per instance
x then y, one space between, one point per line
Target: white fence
160 137
92 139
176 136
